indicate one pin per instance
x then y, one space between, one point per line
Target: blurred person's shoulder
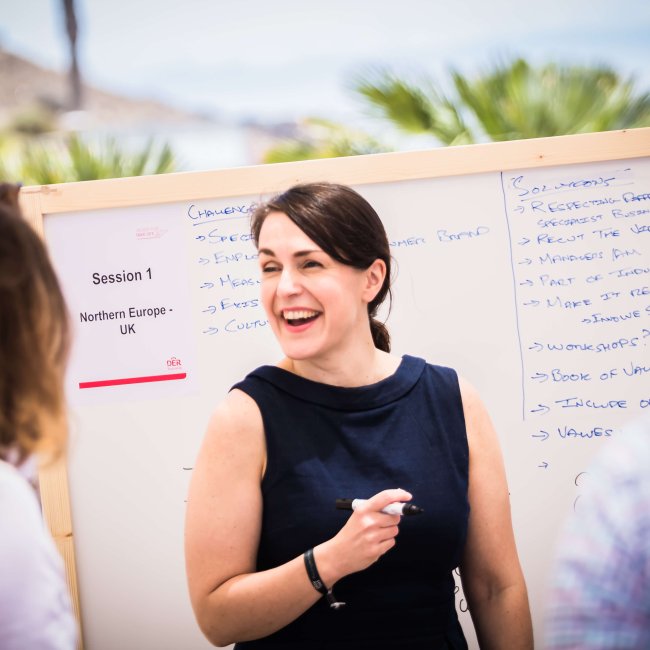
625 459
16 488
20 513
35 609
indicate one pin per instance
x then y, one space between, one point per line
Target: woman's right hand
365 537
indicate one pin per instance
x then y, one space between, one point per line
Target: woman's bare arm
232 602
490 571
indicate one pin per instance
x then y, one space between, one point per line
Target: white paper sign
126 283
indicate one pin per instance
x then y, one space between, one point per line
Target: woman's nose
288 284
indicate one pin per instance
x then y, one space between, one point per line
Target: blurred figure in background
35 609
600 597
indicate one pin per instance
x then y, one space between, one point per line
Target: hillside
27 86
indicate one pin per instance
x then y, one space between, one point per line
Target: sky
287 59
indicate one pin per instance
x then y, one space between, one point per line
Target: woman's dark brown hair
34 338
345 226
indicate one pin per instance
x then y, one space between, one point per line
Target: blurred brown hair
345 226
34 339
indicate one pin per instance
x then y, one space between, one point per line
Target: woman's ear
375 275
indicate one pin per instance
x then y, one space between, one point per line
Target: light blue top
35 610
601 592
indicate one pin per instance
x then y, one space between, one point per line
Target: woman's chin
299 352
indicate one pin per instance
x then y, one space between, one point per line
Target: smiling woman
348 236
339 417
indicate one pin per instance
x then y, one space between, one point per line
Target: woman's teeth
299 315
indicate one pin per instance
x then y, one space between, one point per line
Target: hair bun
380 335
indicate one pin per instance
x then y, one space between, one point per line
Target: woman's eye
269 268
310 264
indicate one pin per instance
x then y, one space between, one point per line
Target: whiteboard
532 281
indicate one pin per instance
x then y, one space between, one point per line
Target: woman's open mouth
297 317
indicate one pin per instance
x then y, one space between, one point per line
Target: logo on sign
153 232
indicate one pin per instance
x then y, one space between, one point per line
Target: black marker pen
396 508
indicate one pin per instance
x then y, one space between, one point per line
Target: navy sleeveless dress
328 442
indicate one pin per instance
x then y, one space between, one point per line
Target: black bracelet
317 583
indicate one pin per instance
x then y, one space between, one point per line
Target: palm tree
72 30
513 101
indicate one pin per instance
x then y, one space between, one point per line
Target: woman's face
315 305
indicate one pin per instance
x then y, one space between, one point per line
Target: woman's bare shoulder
235 430
237 410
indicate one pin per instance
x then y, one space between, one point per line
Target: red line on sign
130 380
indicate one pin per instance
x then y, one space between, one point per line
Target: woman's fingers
369 532
386 497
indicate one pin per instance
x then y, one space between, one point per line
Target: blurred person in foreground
35 609
600 596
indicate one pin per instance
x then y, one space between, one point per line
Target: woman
35 610
340 417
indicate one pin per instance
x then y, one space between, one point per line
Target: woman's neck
364 366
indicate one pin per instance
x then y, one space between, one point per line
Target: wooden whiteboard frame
38 201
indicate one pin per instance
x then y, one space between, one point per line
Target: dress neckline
344 398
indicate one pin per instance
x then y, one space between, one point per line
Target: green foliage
9 157
109 160
323 139
34 120
512 101
74 159
415 109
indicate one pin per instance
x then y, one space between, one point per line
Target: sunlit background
203 84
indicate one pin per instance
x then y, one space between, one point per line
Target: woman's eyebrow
270 253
